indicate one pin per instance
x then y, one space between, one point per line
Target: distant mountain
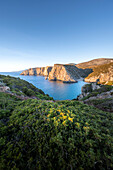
94 63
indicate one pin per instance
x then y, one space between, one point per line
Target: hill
100 96
21 88
102 73
39 134
94 63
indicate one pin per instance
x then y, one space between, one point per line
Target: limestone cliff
44 71
65 73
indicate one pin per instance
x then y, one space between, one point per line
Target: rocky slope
67 73
103 73
100 96
102 70
94 63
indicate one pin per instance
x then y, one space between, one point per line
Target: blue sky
36 33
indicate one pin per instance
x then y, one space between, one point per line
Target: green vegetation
102 104
92 93
37 134
22 87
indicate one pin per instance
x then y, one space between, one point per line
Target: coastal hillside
59 72
42 134
21 88
100 96
102 70
102 73
94 63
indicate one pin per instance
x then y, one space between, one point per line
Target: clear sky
37 33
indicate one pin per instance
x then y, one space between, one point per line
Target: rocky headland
42 71
102 70
99 69
67 73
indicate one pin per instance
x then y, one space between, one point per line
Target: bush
60 135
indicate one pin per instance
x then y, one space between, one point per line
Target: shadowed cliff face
66 73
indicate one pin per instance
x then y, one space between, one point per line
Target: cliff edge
66 73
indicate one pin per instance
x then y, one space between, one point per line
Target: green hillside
23 88
36 134
42 134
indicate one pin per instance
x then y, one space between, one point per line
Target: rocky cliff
67 73
101 69
44 71
103 73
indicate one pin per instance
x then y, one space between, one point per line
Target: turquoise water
55 89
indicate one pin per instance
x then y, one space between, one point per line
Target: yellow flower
64 117
48 115
62 113
64 123
71 119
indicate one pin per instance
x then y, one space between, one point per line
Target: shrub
60 135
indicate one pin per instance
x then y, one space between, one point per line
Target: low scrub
59 135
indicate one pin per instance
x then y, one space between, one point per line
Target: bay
55 89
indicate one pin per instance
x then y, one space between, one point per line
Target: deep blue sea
55 89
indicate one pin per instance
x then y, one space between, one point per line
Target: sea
56 89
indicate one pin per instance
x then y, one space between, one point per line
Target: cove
55 89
